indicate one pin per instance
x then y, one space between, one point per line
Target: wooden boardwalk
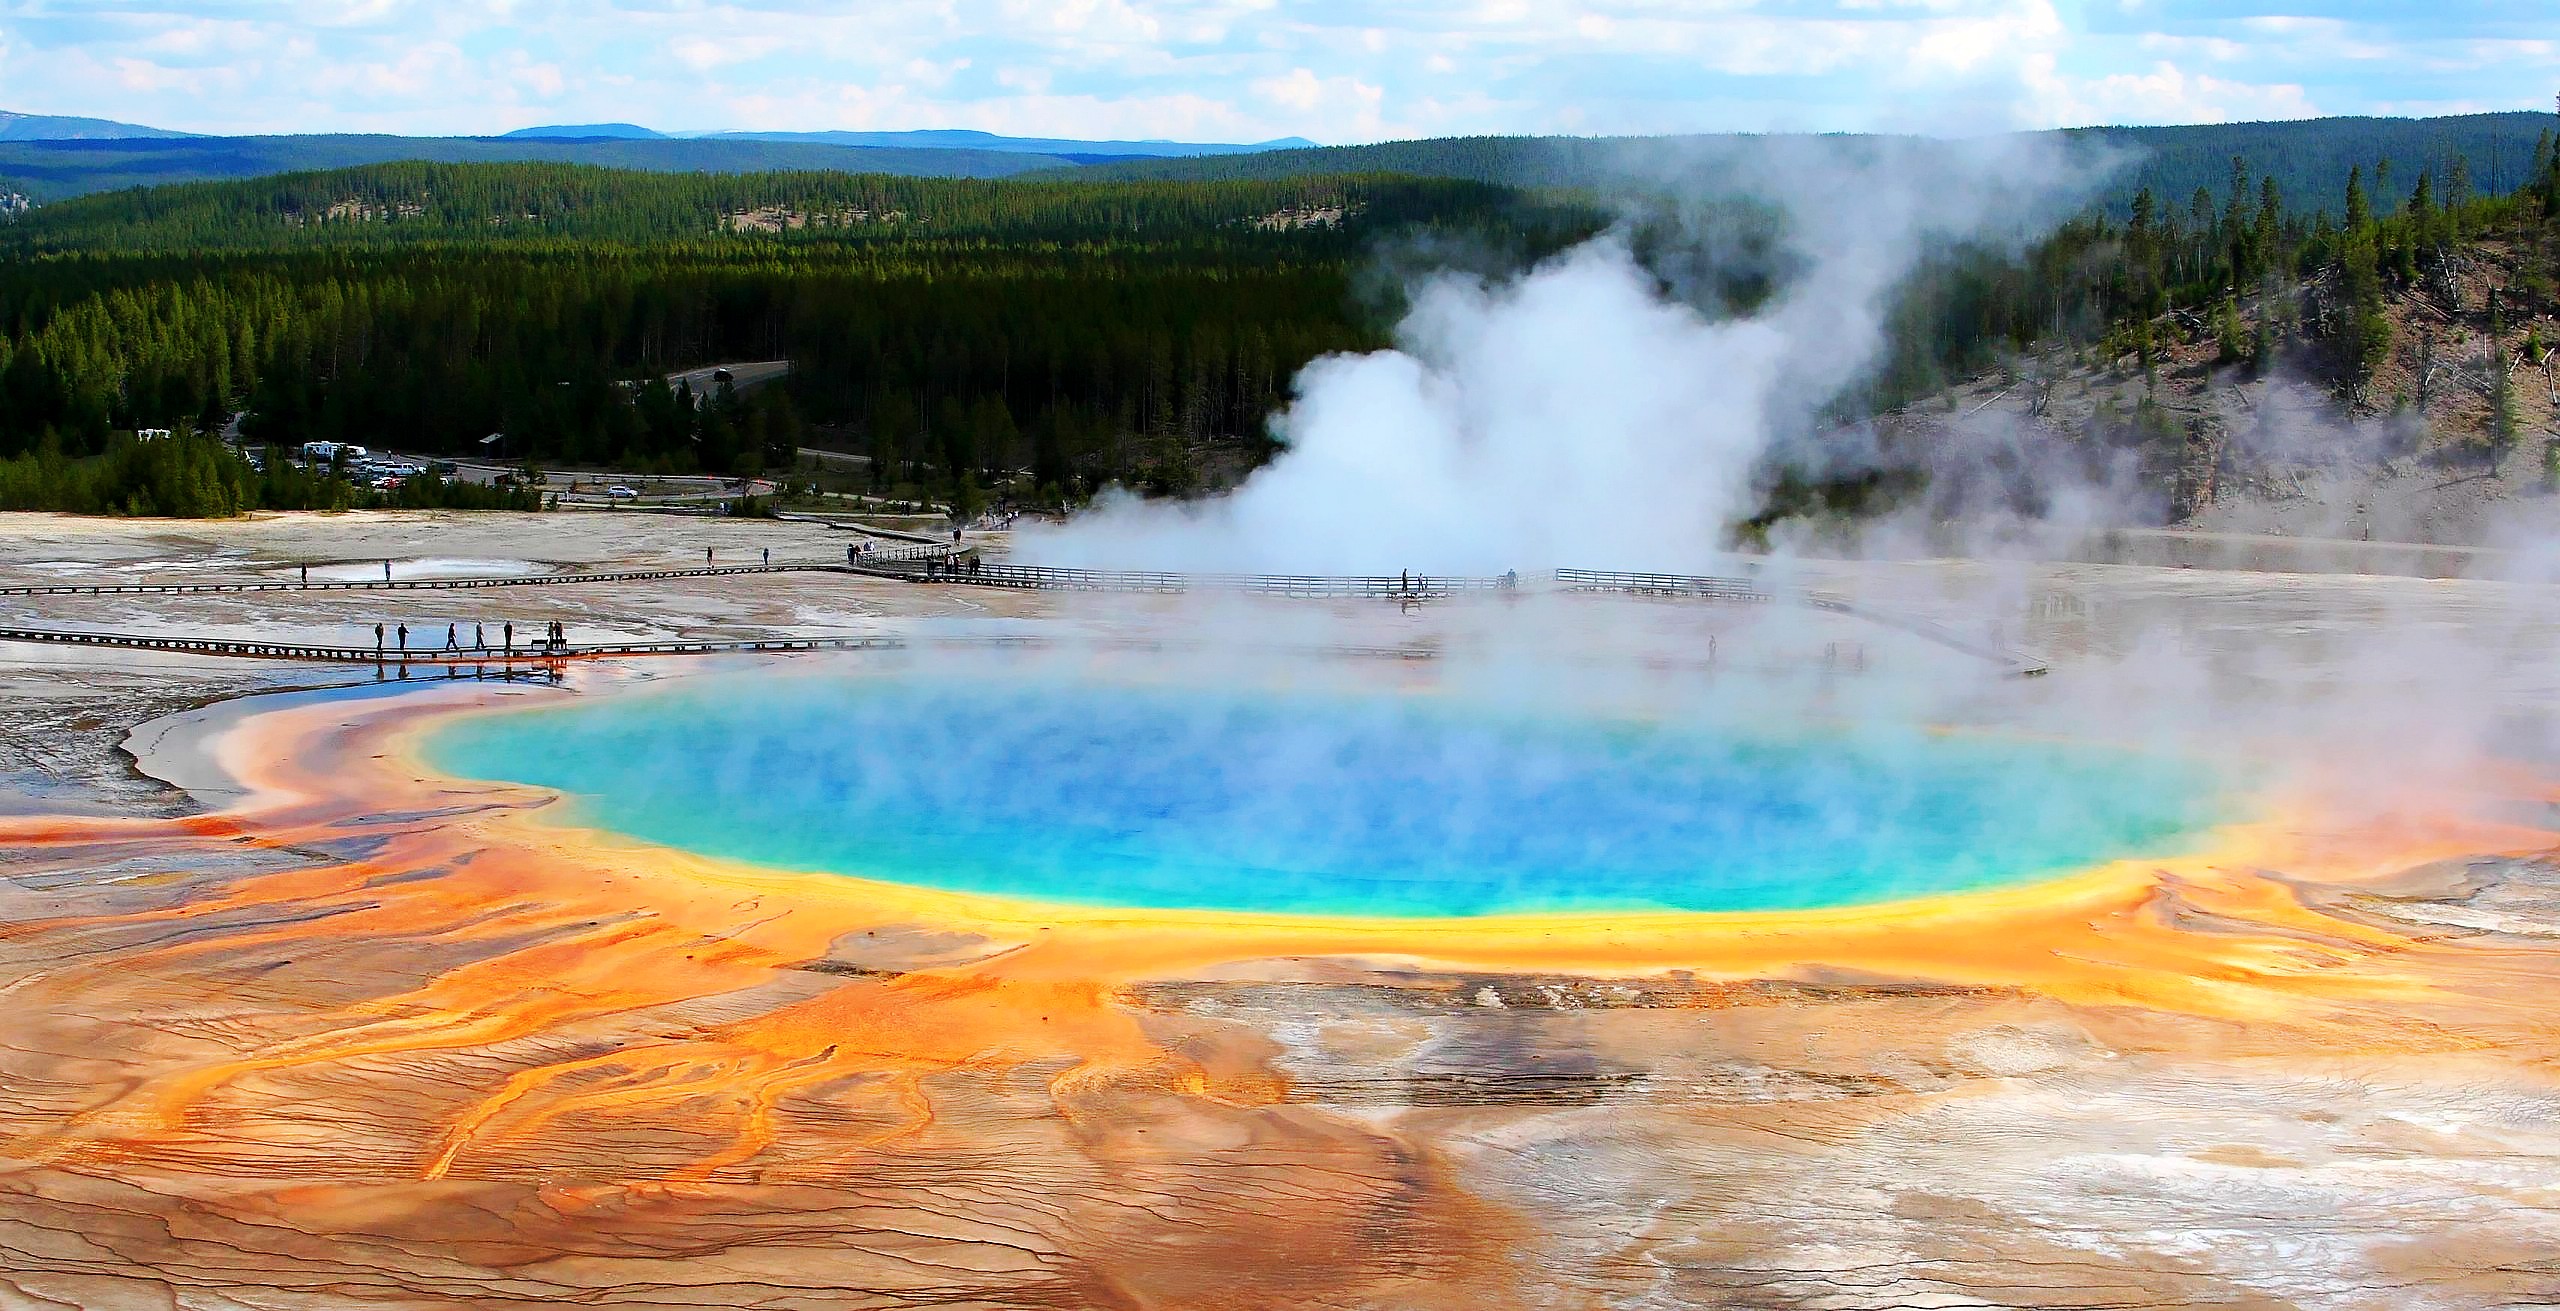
411 584
887 565
532 653
1745 590
935 564
973 572
539 655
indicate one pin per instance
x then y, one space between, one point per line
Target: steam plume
1581 413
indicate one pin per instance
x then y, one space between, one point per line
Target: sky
1250 70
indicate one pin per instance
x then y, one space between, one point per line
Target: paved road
741 376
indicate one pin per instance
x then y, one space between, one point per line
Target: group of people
555 640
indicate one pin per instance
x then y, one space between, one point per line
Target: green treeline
1057 336
476 204
2247 245
1086 333
199 477
2306 157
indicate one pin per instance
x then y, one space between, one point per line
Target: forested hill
51 170
2495 152
1048 336
411 204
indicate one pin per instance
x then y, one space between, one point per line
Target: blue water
1337 804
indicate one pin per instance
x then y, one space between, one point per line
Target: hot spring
1333 803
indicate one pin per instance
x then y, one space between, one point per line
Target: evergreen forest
1049 336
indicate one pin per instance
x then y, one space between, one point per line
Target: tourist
706 555
479 638
306 575
509 633
404 638
386 571
452 638
377 639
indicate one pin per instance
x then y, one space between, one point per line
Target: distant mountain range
2308 158
958 139
51 170
51 159
585 132
928 139
45 127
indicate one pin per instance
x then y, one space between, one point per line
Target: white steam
1579 414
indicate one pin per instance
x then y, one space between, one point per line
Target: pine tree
2359 329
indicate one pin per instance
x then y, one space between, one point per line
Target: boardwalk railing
978 573
414 584
936 563
1746 590
547 654
366 655
1708 586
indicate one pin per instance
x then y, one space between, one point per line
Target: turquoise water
1334 804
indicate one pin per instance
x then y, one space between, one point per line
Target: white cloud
704 53
2164 93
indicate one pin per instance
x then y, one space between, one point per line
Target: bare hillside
2249 422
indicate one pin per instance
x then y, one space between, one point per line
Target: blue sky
1234 70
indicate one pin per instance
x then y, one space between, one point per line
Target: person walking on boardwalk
386 571
377 641
850 550
452 638
768 556
306 575
404 639
508 635
479 638
706 555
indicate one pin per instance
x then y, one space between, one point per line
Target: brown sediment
435 1049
